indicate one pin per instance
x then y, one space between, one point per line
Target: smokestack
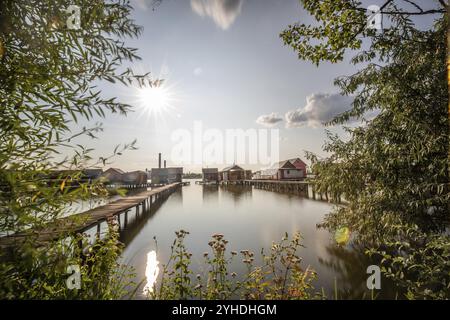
159 160
164 163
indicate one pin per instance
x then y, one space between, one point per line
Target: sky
224 67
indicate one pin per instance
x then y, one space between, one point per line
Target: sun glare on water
151 272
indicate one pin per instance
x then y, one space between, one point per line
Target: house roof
285 164
92 171
233 167
136 171
116 170
296 159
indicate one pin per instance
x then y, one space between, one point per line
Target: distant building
174 174
159 175
113 175
134 177
118 176
166 175
232 173
92 174
256 175
284 170
210 174
299 164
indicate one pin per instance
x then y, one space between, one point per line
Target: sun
154 99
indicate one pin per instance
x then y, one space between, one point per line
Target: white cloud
269 120
198 71
223 12
319 108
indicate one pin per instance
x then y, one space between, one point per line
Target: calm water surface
249 219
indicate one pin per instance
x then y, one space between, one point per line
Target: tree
49 70
393 170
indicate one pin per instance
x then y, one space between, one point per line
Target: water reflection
250 219
349 266
151 272
237 193
131 223
210 192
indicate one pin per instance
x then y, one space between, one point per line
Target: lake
249 219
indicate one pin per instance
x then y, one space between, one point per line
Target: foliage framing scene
354 205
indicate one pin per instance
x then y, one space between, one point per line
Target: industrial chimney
159 160
164 163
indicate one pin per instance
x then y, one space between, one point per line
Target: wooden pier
79 223
201 182
303 188
287 186
129 186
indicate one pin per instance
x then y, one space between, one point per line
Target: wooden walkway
297 182
304 188
81 222
300 187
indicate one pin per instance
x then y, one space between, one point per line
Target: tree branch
405 13
444 4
